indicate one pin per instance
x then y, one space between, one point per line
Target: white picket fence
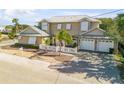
57 48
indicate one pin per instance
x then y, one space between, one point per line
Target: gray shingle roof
41 32
71 18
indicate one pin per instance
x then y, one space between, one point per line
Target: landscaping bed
52 57
120 64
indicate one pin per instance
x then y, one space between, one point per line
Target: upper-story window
68 26
84 26
44 26
59 26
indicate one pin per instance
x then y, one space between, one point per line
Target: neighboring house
32 35
2 29
84 29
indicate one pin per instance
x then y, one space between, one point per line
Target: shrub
122 51
122 59
11 35
48 41
111 50
74 45
26 46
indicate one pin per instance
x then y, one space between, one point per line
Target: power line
108 13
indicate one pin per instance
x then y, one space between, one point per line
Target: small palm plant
63 36
0 36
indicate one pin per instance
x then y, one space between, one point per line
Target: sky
32 16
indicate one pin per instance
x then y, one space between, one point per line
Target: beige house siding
96 32
24 40
94 25
39 40
75 28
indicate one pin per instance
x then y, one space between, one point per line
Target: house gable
29 30
95 32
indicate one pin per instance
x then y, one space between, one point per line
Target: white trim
44 25
84 26
68 26
59 26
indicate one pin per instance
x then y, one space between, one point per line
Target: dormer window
44 26
68 26
59 26
84 26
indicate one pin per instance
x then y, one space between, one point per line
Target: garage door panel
104 45
87 44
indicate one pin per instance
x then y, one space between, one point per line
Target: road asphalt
21 70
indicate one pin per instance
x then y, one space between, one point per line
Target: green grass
120 65
25 46
121 69
119 58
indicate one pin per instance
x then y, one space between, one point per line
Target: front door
32 40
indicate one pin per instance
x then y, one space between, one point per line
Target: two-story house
84 29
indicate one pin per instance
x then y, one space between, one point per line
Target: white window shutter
44 26
68 26
59 26
84 26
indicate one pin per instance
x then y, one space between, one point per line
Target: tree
120 24
64 38
8 27
16 24
106 23
115 35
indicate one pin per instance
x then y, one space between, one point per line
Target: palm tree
16 24
64 38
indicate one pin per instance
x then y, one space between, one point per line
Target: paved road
15 69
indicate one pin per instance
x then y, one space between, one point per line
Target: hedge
26 46
122 51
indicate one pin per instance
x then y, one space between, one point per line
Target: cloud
24 16
8 13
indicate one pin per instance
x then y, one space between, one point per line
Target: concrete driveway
92 68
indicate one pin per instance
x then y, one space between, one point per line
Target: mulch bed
56 56
40 53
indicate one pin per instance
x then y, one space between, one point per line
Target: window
68 26
44 26
84 26
59 26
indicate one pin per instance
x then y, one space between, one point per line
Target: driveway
91 68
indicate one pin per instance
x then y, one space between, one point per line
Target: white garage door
32 40
87 44
104 45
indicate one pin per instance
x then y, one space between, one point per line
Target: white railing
57 48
